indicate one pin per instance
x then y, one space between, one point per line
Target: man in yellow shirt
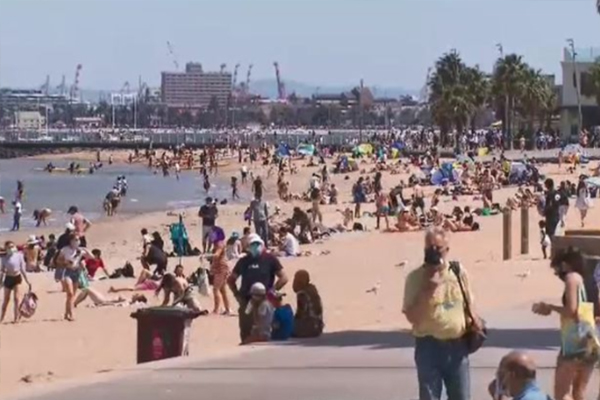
434 305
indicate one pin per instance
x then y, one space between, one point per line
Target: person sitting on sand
145 282
290 247
405 223
262 312
153 255
41 216
308 321
182 291
92 265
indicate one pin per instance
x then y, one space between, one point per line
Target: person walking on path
435 306
258 266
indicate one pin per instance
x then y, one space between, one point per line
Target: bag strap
455 268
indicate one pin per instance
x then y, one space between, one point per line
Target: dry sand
104 338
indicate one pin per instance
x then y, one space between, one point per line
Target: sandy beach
103 339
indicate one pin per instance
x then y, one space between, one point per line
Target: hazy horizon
316 42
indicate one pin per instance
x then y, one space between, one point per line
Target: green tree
509 75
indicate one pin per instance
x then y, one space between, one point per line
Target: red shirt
93 264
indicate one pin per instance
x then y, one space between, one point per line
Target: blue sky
323 42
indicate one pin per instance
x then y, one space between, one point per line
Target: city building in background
195 88
576 72
29 120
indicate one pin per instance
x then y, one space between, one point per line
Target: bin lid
168 312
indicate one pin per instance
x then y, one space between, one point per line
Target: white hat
70 226
32 240
434 208
258 289
254 238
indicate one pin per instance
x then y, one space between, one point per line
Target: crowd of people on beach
247 265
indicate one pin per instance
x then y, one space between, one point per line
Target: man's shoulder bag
474 336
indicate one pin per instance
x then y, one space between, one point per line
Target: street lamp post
505 125
577 83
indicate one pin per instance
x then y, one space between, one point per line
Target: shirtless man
405 224
419 198
486 185
183 293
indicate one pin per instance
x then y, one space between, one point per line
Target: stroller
180 240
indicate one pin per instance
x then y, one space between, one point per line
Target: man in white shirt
18 211
290 247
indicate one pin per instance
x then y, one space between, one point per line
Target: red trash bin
163 332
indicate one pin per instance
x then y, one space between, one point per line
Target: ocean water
147 191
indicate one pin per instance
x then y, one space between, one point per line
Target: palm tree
509 74
451 96
478 87
534 96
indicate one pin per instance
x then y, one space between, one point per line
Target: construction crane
62 88
222 68
142 87
75 87
46 86
235 74
280 84
125 89
172 54
247 87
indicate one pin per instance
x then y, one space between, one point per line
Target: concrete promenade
351 365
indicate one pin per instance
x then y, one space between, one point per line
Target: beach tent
364 149
572 149
283 150
593 181
399 145
446 173
306 149
518 172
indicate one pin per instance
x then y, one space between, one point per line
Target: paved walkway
351 365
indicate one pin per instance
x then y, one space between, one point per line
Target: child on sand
262 314
544 239
383 208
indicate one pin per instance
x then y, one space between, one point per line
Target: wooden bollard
524 230
506 234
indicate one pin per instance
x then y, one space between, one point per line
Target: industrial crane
75 87
235 74
62 88
172 54
46 86
223 66
280 84
247 88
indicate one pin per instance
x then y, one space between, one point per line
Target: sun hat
258 289
32 240
254 238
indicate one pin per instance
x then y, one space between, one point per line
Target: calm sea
57 191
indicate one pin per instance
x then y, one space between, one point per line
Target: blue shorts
59 274
72 274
